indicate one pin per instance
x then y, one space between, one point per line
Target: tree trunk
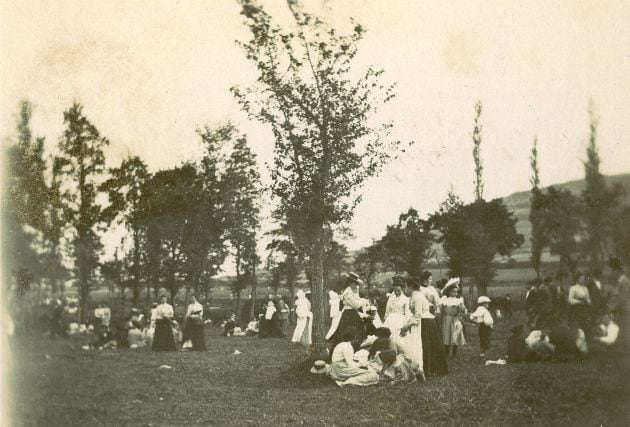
84 272
136 266
318 294
252 310
238 306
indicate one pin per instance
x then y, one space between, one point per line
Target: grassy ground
57 383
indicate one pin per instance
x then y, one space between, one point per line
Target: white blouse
344 352
432 295
193 308
269 313
482 315
397 305
351 300
164 311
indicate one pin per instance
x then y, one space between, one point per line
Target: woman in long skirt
412 331
350 318
432 351
194 326
163 337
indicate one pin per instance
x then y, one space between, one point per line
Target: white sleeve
487 318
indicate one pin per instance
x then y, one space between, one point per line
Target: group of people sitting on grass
562 324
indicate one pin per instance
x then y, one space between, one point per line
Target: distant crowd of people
421 327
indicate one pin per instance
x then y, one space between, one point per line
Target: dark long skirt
349 319
270 328
163 338
579 317
194 333
433 357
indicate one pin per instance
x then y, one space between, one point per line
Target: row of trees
181 222
584 229
471 235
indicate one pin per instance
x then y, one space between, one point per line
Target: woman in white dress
302 332
343 369
412 331
397 311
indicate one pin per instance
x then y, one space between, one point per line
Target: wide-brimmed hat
452 283
320 367
354 277
483 299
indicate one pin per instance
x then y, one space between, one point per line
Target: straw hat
320 367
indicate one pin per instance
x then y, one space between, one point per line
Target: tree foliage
476 136
600 204
407 244
325 148
82 166
24 206
472 235
242 195
125 191
539 239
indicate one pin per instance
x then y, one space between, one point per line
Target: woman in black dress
163 339
350 318
194 325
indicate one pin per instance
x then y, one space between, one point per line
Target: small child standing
483 318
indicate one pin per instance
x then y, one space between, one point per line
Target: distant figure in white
302 332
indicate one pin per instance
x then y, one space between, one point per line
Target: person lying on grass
344 370
539 345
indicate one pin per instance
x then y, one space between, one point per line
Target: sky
149 73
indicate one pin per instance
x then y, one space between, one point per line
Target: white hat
453 282
320 367
482 299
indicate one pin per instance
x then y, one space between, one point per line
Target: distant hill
518 203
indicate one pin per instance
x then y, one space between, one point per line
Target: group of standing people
162 317
421 329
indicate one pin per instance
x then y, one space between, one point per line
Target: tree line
183 222
180 223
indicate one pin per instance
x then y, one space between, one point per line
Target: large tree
242 196
169 198
124 189
562 224
476 136
539 239
325 149
407 244
82 165
472 235
600 204
24 208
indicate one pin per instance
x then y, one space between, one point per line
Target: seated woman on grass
397 368
343 369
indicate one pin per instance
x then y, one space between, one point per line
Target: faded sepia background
150 72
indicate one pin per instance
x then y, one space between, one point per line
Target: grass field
57 383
